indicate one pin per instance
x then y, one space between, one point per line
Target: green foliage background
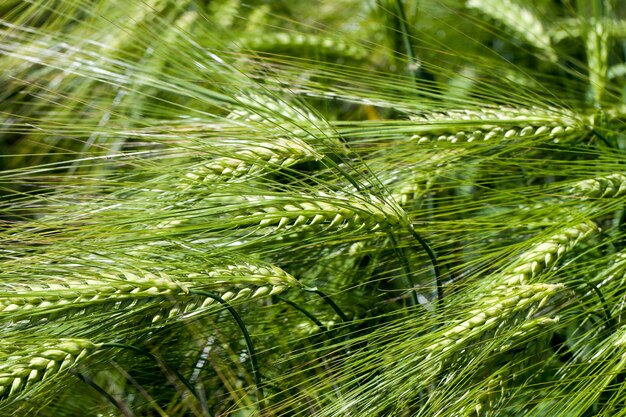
328 208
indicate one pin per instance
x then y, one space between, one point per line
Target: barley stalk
609 186
22 370
519 20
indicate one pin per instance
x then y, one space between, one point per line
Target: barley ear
25 369
322 211
490 312
545 254
519 20
251 160
303 43
503 123
596 46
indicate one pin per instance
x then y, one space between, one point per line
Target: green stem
608 320
422 241
332 164
405 266
153 357
406 39
253 359
610 323
330 302
127 412
433 260
602 138
305 312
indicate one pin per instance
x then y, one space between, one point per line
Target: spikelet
257 20
564 29
324 211
251 160
545 254
493 313
519 20
527 329
502 123
575 28
308 328
613 274
610 186
22 370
